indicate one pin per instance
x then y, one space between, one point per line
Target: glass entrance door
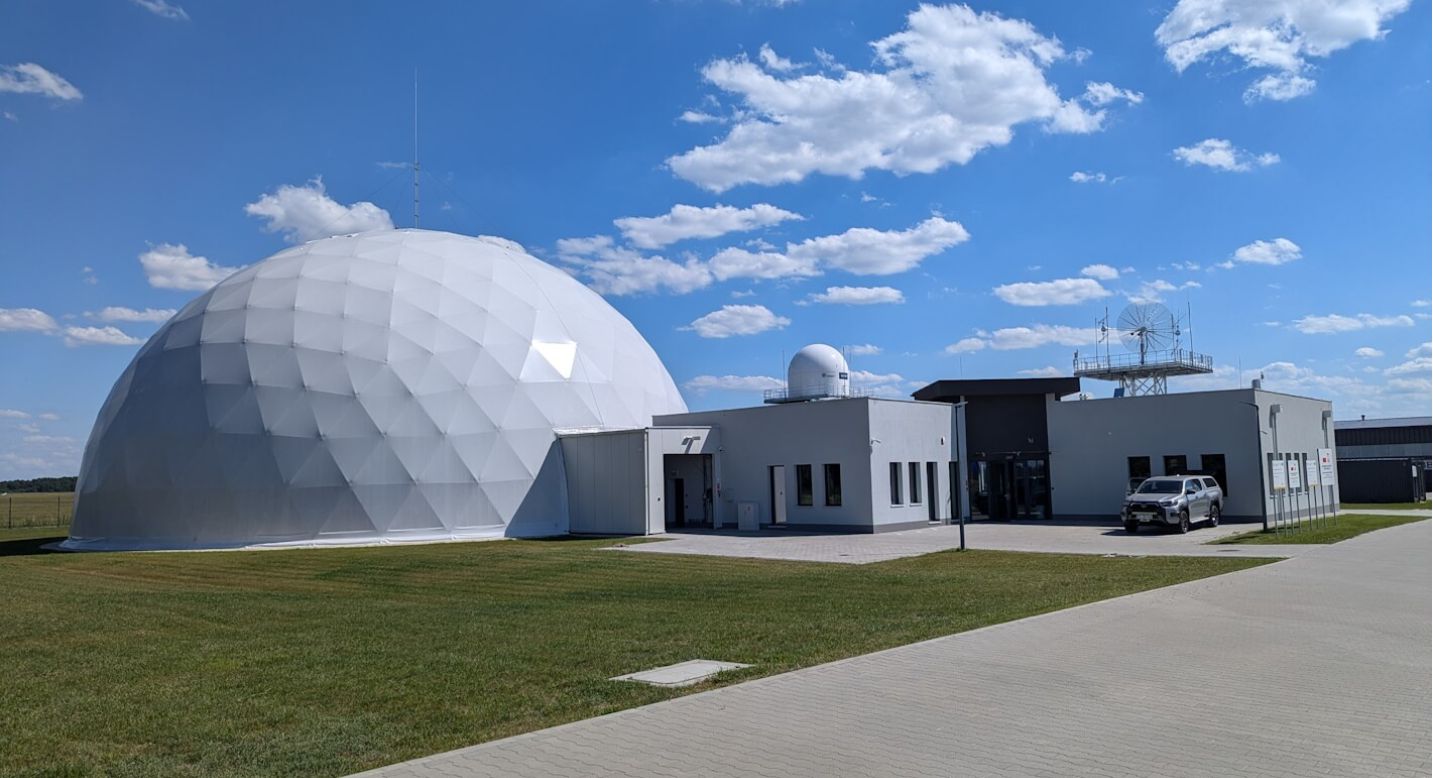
1010 489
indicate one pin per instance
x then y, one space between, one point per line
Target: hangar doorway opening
687 490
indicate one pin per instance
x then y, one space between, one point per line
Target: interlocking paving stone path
1318 665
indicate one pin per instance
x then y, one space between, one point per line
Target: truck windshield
1161 487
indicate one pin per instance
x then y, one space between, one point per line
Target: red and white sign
1326 466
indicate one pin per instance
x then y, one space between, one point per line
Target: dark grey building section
1382 480
1385 460
1037 449
1006 441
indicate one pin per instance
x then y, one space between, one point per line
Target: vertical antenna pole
1189 324
416 167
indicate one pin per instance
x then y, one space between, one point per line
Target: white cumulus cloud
163 9
732 383
304 213
1082 177
1062 291
171 266
1272 35
1367 352
99 336
1336 323
966 345
865 251
952 83
114 313
864 350
26 320
1037 335
857 295
1033 336
1278 251
1220 154
1100 272
688 221
29 78
737 320
1044 372
1103 93
618 270
859 250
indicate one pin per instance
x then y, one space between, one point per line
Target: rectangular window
915 468
1139 467
833 484
1213 464
895 483
1175 464
803 484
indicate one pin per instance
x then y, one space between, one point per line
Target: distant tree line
27 485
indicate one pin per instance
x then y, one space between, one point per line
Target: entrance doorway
778 494
688 490
1013 488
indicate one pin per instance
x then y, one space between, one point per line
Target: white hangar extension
418 386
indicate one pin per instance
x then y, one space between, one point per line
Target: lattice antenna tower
1153 337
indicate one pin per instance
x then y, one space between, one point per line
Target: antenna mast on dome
416 167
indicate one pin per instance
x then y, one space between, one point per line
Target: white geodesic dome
386 386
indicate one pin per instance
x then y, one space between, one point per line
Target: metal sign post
1292 465
1328 477
1311 474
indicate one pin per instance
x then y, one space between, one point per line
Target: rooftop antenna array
416 168
1151 335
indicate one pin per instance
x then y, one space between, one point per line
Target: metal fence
36 509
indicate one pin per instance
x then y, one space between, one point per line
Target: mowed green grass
1387 506
1343 527
325 662
37 509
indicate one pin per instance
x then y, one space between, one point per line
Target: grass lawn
1341 528
36 509
324 662
1387 506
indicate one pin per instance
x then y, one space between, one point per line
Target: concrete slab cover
682 673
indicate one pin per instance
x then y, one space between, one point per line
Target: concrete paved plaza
1040 536
1317 665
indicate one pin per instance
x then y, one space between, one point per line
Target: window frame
1148 467
805 499
895 484
915 483
1183 458
826 471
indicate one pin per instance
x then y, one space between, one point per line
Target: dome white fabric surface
393 385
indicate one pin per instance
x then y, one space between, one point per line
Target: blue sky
742 178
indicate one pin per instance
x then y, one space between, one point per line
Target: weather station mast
1151 335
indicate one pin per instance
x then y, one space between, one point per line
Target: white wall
1091 440
908 432
607 482
835 431
1301 431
